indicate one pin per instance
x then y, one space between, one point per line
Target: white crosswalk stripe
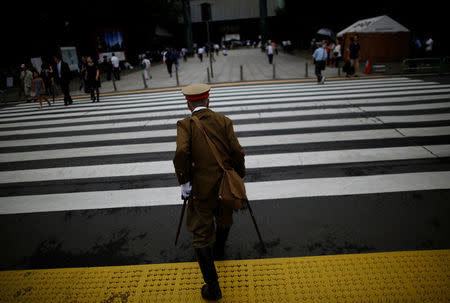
123 145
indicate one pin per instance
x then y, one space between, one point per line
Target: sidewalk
405 276
255 66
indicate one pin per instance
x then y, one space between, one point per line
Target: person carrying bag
232 192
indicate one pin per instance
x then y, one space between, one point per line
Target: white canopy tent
380 24
381 38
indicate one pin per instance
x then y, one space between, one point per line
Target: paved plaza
254 63
255 66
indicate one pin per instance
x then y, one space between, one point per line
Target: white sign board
37 63
69 55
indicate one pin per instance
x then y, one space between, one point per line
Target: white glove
186 189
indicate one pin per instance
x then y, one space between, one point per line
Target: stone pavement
255 66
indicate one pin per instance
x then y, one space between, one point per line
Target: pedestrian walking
275 48
26 82
354 54
429 46
38 87
115 66
200 52
184 54
63 77
320 57
337 53
175 57
93 79
106 67
46 75
146 64
269 50
207 218
82 72
327 49
332 57
170 59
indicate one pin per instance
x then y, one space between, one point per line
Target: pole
306 69
176 75
262 22
242 74
207 71
188 25
209 50
181 218
273 70
256 227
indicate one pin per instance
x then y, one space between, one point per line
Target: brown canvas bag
232 189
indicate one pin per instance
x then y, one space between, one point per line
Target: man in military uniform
199 174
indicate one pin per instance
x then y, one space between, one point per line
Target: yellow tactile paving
413 276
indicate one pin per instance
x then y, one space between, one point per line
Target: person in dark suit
63 77
199 173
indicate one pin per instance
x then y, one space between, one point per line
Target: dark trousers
270 58
320 65
66 91
169 67
337 60
116 72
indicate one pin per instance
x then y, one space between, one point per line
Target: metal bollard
306 69
273 71
242 74
207 72
145 82
176 75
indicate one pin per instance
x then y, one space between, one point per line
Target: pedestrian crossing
275 124
347 138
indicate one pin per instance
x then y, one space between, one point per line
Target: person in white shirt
146 64
184 53
201 50
116 67
216 48
429 46
269 50
337 53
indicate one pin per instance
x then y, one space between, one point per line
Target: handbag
232 189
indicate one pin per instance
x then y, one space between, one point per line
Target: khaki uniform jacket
194 160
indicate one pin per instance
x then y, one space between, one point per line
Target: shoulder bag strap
210 143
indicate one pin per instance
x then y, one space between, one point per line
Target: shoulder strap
210 143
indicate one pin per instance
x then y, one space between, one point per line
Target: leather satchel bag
232 189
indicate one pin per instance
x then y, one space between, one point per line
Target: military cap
196 91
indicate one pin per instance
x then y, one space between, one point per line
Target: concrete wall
222 10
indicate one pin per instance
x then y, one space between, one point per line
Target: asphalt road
42 225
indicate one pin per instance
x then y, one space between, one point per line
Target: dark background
38 28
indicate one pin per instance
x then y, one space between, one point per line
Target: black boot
211 290
219 246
